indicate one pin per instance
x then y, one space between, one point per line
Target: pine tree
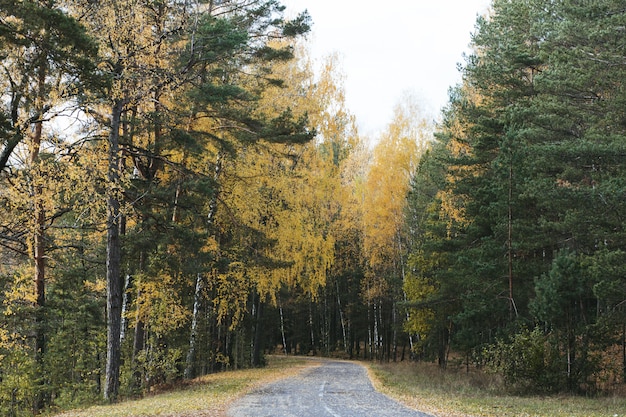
47 63
533 138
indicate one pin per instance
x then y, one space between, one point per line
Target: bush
17 387
528 362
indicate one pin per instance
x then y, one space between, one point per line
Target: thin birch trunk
370 337
312 332
123 324
342 319
282 327
191 353
394 319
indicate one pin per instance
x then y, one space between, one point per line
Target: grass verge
207 396
458 394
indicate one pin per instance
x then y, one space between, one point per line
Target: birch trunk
191 353
282 327
342 320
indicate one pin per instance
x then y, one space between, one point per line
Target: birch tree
394 160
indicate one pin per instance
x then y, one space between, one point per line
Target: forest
183 191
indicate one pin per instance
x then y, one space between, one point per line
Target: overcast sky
391 47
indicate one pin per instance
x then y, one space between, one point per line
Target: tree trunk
342 319
624 352
258 330
444 347
191 353
39 249
282 327
376 335
512 307
125 302
113 261
369 348
394 341
138 346
139 337
311 328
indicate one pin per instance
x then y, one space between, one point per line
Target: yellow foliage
210 246
388 181
9 341
419 321
453 209
418 289
373 287
20 293
99 286
159 303
296 214
233 289
293 193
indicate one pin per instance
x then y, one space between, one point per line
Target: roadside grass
207 396
459 394
422 386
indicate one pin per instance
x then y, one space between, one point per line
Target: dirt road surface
333 389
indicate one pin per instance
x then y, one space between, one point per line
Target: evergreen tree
532 141
47 63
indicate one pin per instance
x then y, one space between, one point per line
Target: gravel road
333 389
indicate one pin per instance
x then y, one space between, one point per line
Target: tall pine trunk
258 331
113 260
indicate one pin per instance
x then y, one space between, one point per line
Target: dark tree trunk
138 345
113 261
258 330
624 352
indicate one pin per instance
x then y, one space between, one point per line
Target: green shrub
17 384
528 362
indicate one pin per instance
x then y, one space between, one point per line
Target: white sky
392 47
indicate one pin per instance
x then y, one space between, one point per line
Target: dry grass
421 386
207 396
457 394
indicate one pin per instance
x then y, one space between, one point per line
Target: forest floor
420 386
